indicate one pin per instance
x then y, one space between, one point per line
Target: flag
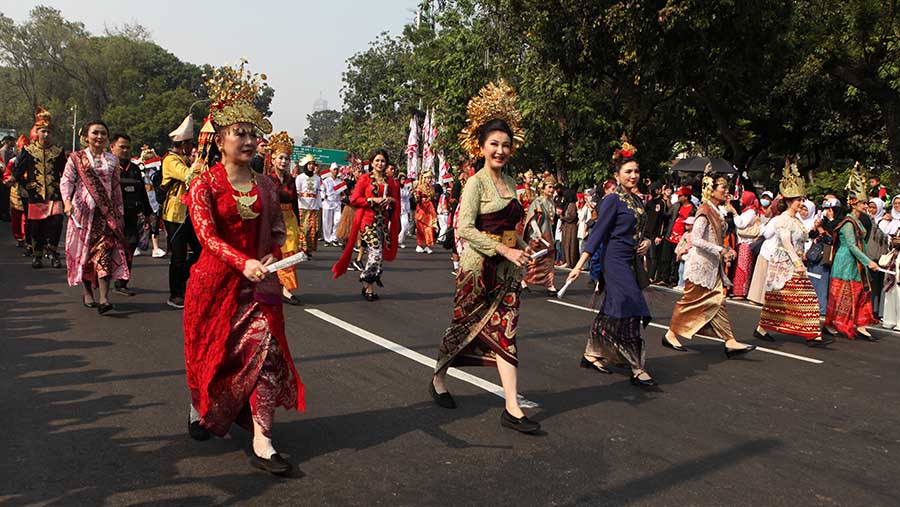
412 148
520 189
428 134
446 175
339 186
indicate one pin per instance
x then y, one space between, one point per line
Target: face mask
764 202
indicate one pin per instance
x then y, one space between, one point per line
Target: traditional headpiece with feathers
792 184
857 183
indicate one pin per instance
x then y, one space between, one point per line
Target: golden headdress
42 118
493 102
281 143
857 183
710 182
232 92
548 179
627 150
792 184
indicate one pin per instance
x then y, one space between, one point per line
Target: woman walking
748 225
615 336
791 306
281 146
239 366
486 305
376 198
92 199
849 299
539 229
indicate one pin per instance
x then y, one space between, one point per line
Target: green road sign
325 157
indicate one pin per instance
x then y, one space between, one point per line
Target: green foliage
133 84
324 130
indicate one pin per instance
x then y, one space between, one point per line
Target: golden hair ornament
496 101
792 184
232 92
857 183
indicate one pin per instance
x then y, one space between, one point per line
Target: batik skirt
309 228
849 307
617 341
485 320
743 271
793 309
700 307
293 243
540 272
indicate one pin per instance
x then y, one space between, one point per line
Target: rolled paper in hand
892 273
287 262
562 292
539 254
814 275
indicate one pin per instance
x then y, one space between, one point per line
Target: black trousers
179 237
666 267
46 232
653 258
132 235
4 203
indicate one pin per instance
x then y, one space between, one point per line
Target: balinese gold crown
792 184
857 182
709 182
42 118
493 102
232 92
281 143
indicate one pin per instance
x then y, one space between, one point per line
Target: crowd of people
231 205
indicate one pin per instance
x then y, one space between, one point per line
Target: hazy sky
302 46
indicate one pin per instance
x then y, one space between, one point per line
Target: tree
324 130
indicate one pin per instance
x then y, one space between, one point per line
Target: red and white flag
412 149
520 189
444 166
429 132
339 186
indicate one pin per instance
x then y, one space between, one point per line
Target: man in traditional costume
176 174
38 170
309 202
705 286
16 203
331 206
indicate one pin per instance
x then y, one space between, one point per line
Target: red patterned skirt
743 271
485 320
849 307
793 309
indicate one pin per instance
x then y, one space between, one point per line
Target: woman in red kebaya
376 198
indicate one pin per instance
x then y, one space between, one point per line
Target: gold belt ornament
508 238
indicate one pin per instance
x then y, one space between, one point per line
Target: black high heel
666 343
104 308
729 353
645 383
765 337
443 400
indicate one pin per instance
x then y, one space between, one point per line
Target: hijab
879 209
749 201
891 228
810 221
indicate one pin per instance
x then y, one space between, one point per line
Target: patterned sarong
793 309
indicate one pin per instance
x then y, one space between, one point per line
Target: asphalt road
94 409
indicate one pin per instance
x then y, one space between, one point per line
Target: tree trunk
891 111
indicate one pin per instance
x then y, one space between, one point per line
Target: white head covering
184 132
810 221
891 228
879 209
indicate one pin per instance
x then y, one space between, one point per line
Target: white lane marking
660 326
415 356
759 307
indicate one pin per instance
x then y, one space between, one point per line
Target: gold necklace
245 201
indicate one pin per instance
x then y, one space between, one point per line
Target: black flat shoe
104 308
443 400
666 343
729 353
765 337
643 383
823 342
275 465
521 424
592 365
197 432
92 304
293 300
55 263
371 296
552 293
36 263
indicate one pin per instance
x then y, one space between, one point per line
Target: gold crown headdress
232 92
627 150
42 118
792 184
493 102
710 182
281 143
857 183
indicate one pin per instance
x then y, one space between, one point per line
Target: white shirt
404 199
330 198
308 188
